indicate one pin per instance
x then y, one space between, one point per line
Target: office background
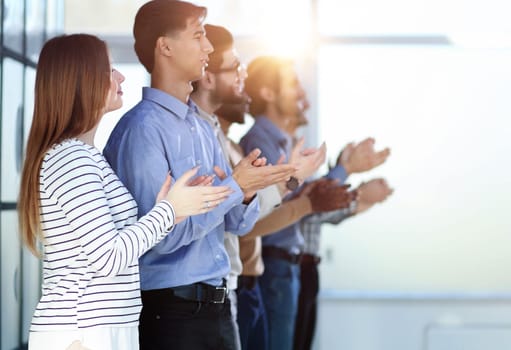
429 268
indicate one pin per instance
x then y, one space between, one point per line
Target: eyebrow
199 31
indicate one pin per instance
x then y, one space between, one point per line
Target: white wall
445 113
390 321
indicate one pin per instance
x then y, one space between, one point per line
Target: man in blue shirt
277 99
276 94
182 278
354 158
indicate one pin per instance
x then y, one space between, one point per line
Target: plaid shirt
311 226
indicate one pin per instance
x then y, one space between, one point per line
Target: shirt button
243 225
192 128
218 257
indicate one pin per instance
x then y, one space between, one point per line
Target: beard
227 95
235 112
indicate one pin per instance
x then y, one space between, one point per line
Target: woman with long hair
75 206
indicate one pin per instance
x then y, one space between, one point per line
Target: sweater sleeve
75 184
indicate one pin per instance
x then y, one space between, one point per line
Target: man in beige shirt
320 196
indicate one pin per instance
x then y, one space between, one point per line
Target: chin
114 107
198 74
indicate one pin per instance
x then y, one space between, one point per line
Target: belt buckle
219 295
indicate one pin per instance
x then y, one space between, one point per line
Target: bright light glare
287 29
482 40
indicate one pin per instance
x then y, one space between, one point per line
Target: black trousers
169 322
305 325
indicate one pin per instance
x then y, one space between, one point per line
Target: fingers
253 155
165 188
219 172
368 141
167 184
203 180
185 178
322 148
308 151
322 151
297 149
381 156
212 200
259 162
210 205
345 154
282 174
215 192
281 160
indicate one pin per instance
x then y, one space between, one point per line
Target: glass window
13 25
30 290
12 120
54 17
34 28
136 77
29 101
277 27
413 17
10 283
444 111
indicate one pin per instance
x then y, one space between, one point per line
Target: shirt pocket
180 166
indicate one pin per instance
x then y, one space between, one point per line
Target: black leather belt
247 282
279 253
310 259
202 292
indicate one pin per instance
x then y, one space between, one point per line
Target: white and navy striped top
92 242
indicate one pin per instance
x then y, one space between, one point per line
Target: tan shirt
250 244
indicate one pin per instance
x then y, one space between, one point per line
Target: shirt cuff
171 213
338 172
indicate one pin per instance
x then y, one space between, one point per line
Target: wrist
282 189
347 168
361 206
307 205
248 197
304 205
292 183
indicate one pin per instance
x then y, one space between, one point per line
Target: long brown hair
72 83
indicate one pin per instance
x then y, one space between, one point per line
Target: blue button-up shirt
162 134
274 142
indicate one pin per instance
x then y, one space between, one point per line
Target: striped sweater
92 242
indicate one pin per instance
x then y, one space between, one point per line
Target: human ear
267 94
164 46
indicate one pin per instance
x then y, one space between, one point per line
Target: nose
242 72
206 45
118 76
301 92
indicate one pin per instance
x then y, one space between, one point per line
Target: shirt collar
283 139
210 118
169 102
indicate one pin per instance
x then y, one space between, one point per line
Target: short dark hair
158 18
221 40
264 71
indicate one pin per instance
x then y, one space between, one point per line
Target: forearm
269 198
287 214
332 217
